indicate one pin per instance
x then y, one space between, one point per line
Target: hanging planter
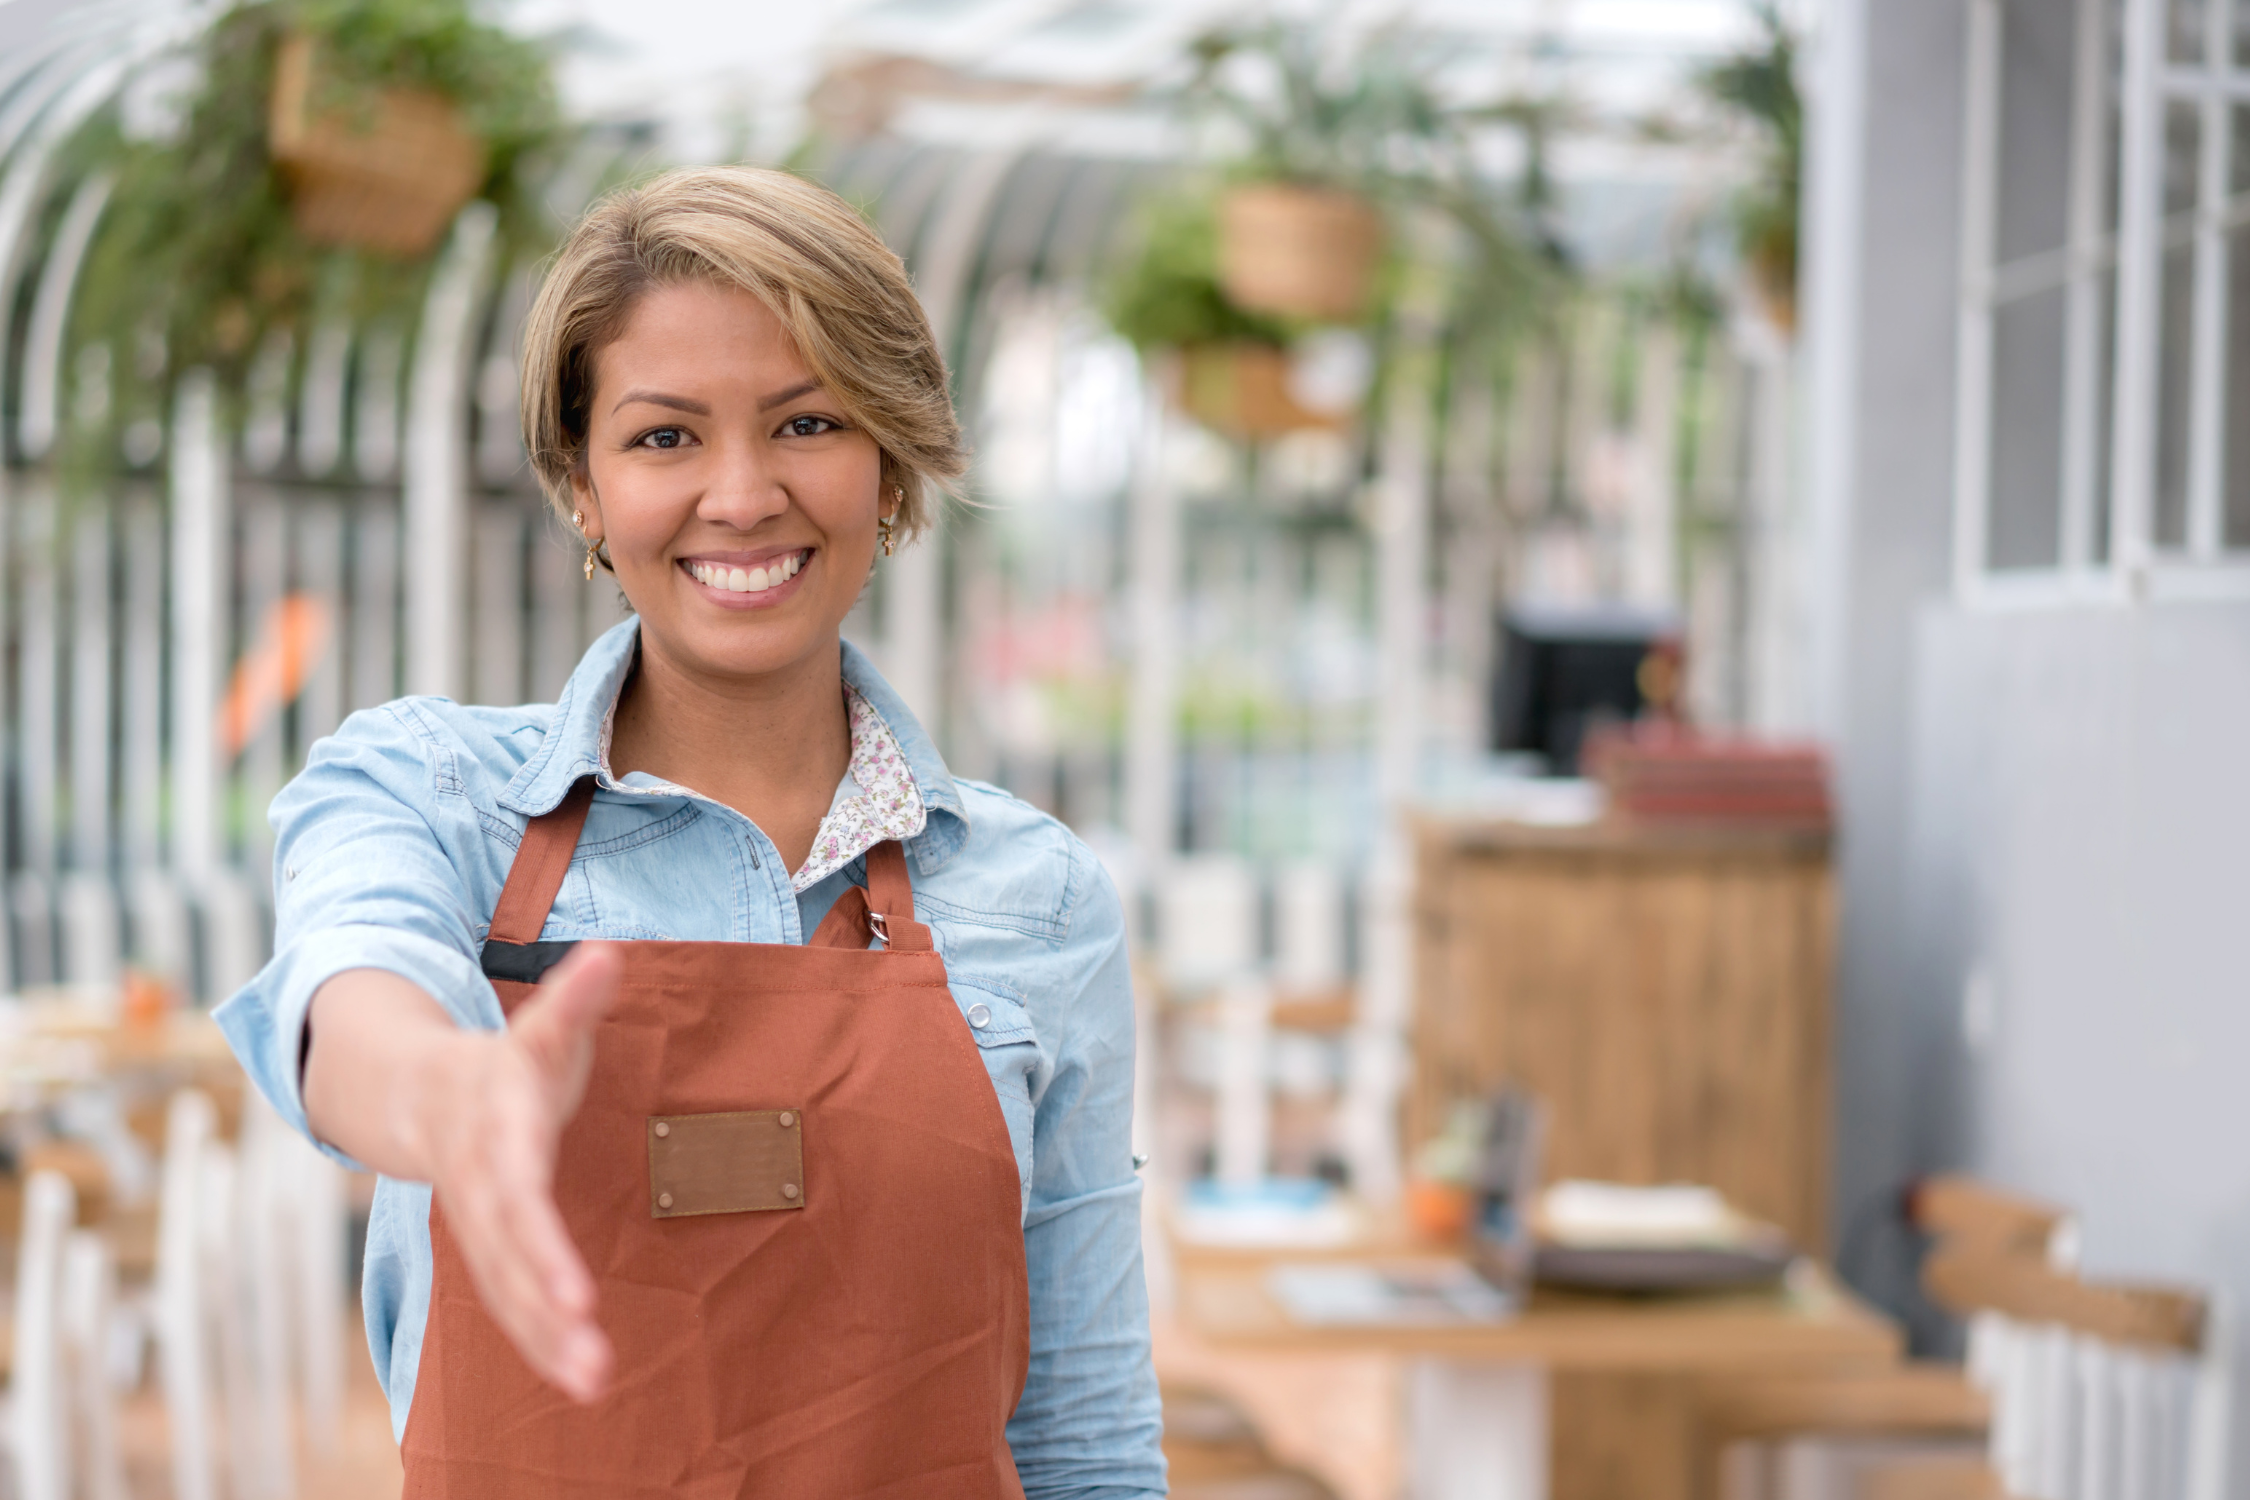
379 169
1299 252
1243 390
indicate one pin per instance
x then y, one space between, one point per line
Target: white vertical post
38 682
1367 1120
1244 1107
2207 389
437 532
91 681
2140 269
199 611
914 580
41 419
265 560
2083 332
1980 168
1153 601
141 700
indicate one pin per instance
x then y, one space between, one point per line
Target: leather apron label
738 1162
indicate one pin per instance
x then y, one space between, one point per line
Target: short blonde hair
795 246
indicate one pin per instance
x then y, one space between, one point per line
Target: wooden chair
2095 1390
37 1421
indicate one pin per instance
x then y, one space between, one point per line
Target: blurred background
1648 600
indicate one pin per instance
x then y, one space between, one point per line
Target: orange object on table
1437 1211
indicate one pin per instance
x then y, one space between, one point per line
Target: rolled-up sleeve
363 879
1090 1425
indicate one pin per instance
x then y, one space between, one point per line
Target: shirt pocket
1000 1025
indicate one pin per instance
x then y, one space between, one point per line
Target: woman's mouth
756 579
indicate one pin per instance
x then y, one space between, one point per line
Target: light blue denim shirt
390 851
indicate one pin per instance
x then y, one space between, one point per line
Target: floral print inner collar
883 801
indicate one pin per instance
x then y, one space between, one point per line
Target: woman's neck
772 747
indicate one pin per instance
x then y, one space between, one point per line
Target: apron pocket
742 1162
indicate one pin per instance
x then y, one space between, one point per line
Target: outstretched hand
496 1122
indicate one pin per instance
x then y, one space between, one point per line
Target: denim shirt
392 845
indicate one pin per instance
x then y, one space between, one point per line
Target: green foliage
1169 295
1327 114
198 259
1761 86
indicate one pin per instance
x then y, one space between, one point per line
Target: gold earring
883 524
578 519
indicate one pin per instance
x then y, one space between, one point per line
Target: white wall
2080 845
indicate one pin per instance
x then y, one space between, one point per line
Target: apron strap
542 860
890 900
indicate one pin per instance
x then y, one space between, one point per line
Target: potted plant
383 169
1301 233
1232 366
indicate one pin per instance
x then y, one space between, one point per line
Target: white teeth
732 579
758 581
796 561
744 580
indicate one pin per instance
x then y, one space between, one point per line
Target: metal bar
2139 288
1980 169
200 568
2206 469
2089 259
91 683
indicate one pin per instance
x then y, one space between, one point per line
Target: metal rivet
980 1017
662 1130
786 1119
663 1200
789 1190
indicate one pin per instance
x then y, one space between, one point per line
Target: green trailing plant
1760 86
198 259
1168 295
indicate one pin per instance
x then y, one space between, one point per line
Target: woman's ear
584 502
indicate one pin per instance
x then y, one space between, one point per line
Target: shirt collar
572 747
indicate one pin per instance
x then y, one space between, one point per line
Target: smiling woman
773 1085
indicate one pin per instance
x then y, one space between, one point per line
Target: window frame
2131 566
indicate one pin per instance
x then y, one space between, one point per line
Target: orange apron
793 1184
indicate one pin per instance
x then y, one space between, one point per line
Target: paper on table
1329 1294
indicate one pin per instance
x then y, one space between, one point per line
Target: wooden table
1477 1393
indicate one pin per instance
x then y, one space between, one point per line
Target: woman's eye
808 426
663 437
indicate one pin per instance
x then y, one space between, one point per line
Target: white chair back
182 1317
89 1300
2079 1417
1207 923
38 1410
1308 927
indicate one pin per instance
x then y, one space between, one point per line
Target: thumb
556 1024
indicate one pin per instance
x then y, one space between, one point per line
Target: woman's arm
391 1079
1089 1426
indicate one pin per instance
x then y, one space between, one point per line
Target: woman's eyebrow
659 398
768 403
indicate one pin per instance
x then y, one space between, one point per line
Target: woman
812 1178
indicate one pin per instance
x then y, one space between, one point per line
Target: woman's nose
744 488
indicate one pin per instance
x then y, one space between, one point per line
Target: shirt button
789 1191
979 1017
662 1130
663 1200
786 1119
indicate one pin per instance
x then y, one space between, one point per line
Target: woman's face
738 502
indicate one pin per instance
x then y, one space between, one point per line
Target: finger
555 1335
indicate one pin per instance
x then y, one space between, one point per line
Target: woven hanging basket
383 170
1299 252
1242 390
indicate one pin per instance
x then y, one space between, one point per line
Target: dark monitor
1562 671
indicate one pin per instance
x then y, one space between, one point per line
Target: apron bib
795 1189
